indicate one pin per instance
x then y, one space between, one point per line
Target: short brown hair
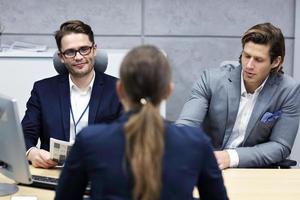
267 34
73 26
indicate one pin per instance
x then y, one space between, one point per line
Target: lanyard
73 118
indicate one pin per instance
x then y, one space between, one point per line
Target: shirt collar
243 89
74 87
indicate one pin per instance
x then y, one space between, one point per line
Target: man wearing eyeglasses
60 106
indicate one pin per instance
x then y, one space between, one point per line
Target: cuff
234 157
27 152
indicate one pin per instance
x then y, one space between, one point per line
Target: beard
81 72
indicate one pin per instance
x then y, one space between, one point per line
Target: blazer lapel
64 93
95 97
234 94
262 102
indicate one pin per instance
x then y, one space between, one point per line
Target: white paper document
59 150
23 198
25 46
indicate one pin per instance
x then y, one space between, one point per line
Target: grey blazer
213 106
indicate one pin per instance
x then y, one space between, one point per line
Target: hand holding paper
59 150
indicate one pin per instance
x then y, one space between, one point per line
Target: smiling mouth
79 65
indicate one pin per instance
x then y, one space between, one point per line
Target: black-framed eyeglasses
84 51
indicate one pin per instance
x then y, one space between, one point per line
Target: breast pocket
260 133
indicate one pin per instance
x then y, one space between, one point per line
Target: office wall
196 34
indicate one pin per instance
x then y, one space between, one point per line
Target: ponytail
146 76
144 133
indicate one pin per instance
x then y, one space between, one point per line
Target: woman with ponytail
141 156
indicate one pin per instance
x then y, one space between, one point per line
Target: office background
195 34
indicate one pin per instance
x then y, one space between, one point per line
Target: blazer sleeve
282 136
31 122
73 179
210 182
195 109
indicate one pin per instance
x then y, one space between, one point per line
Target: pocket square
268 116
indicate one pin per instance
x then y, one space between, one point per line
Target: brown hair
267 34
73 26
146 75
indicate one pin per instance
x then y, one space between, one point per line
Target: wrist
233 157
30 152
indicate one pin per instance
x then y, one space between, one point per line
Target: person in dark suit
60 106
250 110
141 156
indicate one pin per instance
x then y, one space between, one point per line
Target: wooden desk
241 184
266 184
42 194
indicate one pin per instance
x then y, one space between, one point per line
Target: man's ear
61 57
95 49
276 62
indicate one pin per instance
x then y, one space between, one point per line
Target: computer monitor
13 161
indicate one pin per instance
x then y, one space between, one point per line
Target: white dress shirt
247 102
79 102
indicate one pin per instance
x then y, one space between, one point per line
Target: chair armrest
285 164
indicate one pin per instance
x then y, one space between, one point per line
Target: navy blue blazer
48 108
98 156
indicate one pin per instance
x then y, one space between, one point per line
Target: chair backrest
230 62
100 62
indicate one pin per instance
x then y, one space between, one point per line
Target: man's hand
223 159
40 158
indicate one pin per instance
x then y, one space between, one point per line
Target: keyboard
49 183
44 182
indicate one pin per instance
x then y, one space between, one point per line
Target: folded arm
281 139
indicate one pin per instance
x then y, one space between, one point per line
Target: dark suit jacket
48 108
214 105
98 156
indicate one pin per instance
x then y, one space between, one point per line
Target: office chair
230 62
284 164
101 62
